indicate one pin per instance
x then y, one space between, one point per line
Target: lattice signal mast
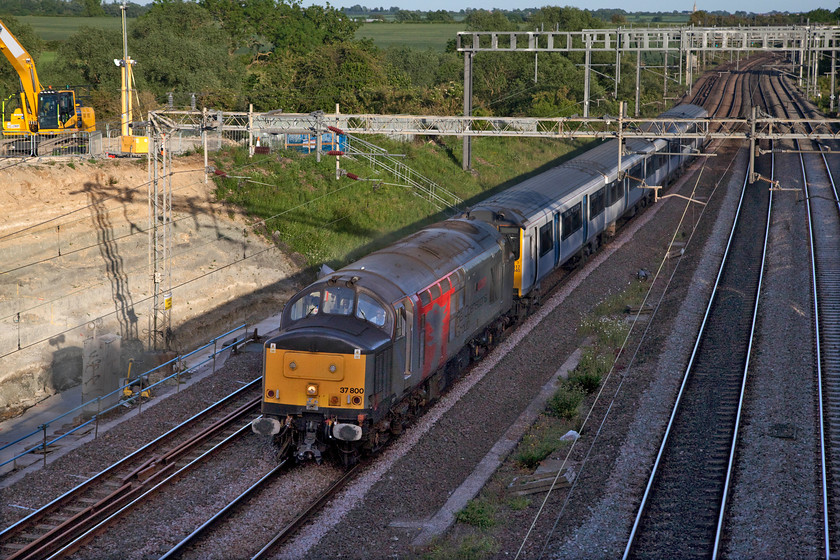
160 241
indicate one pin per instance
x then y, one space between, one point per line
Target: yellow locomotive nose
312 389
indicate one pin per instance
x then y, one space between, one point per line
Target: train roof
685 111
597 166
421 259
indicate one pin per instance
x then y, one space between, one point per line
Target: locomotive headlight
312 389
333 368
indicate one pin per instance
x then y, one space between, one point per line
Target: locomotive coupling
266 426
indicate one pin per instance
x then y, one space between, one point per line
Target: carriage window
616 192
370 310
546 238
306 305
596 203
435 291
512 234
338 300
674 147
572 220
401 323
636 176
445 286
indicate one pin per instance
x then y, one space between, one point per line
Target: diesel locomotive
365 348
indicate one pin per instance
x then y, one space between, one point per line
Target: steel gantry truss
766 127
805 44
755 128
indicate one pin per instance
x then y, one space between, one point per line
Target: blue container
307 143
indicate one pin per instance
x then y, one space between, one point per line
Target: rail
702 531
177 364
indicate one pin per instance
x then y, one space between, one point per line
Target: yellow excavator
42 110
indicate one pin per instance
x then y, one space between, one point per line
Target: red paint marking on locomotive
436 332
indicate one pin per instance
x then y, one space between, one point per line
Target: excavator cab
56 109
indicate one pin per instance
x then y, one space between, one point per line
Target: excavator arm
23 64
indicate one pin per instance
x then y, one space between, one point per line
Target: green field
415 35
657 20
59 28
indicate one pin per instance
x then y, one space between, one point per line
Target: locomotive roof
421 259
598 166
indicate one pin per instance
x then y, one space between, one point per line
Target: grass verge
606 330
302 206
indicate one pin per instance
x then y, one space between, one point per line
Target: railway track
684 503
233 513
823 212
825 230
62 526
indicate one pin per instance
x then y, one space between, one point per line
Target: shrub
532 450
588 382
564 403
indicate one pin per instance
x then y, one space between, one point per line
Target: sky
756 6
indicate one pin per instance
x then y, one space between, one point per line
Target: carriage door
546 248
585 215
403 334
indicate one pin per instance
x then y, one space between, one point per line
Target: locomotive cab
318 373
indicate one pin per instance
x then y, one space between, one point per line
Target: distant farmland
59 28
415 35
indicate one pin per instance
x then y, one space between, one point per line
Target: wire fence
46 432
76 144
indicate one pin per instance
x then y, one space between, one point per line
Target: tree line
78 8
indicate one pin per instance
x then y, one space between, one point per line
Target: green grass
415 35
470 547
59 28
336 221
478 513
47 56
661 19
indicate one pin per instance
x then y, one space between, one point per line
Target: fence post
250 130
204 140
98 412
44 448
